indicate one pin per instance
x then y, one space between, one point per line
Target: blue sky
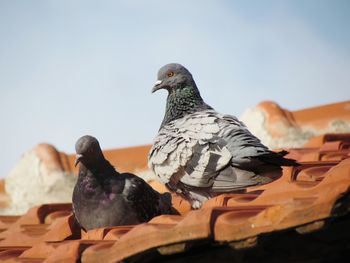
70 68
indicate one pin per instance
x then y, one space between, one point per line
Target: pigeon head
173 76
183 94
88 150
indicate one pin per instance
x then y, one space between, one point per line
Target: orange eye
170 74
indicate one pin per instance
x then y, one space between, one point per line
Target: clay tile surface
304 216
279 128
118 157
305 198
317 116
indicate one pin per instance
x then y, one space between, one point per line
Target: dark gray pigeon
200 153
103 197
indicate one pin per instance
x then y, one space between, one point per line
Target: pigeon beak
78 159
157 86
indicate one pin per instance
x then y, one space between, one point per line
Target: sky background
70 68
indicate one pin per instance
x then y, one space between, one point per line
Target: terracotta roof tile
318 117
303 200
120 158
278 127
69 251
4 198
11 254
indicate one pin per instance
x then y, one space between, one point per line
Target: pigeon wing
247 151
189 150
142 197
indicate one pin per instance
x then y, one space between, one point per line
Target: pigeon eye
170 74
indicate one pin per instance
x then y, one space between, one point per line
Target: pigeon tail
278 159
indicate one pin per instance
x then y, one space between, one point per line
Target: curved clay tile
303 216
243 223
281 128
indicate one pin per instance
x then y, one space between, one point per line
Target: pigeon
102 197
199 152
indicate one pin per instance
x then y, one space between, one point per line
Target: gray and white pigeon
103 197
200 153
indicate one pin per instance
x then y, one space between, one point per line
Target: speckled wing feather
247 151
244 146
197 147
189 150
